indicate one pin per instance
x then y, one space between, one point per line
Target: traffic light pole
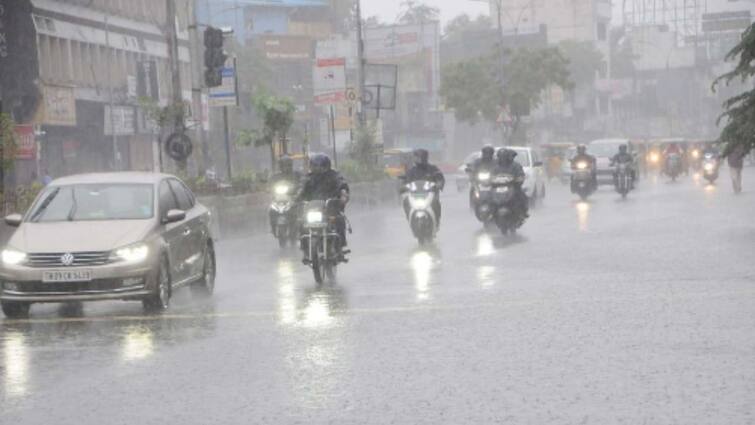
175 69
227 140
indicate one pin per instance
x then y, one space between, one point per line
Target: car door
174 234
196 234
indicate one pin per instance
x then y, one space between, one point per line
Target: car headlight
483 176
581 165
135 253
12 257
281 189
314 217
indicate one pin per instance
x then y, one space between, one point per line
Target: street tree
473 89
417 12
463 24
584 61
739 111
277 115
8 145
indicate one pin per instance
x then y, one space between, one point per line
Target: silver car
128 236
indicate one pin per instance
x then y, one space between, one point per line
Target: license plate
502 189
282 220
67 276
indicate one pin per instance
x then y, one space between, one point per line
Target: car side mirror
14 220
538 163
174 216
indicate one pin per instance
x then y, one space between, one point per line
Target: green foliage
8 143
277 115
739 111
415 12
472 88
363 165
584 60
163 117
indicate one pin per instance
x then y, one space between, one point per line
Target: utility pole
175 69
111 101
197 82
360 58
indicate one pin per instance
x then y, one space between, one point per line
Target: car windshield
90 202
603 150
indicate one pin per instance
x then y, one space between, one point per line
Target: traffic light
214 57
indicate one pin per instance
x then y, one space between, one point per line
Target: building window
602 31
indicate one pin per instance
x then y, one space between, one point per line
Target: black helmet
421 156
319 163
581 149
623 148
286 164
488 152
506 156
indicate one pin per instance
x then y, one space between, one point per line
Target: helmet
421 156
319 163
286 164
506 156
623 148
488 152
581 149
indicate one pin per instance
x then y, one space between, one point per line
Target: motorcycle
480 185
419 197
583 182
710 167
320 241
623 178
282 214
673 165
695 159
497 204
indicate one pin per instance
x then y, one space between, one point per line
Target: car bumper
110 282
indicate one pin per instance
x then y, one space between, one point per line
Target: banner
26 144
329 81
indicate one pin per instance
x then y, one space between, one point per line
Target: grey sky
387 10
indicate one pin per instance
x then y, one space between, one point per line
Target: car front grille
80 259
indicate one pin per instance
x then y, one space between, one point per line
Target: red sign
27 146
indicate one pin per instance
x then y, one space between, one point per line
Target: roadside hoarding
329 80
285 47
26 147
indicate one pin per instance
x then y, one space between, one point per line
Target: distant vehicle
419 197
283 213
398 161
529 158
582 182
710 166
320 241
125 236
623 176
566 170
603 150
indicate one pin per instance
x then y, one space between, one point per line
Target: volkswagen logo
67 259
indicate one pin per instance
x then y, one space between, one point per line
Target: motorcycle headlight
12 257
314 216
483 176
709 167
282 189
581 165
654 157
135 253
420 203
695 154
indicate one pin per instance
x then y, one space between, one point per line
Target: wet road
637 312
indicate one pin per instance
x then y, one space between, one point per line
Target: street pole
197 79
175 69
116 156
227 140
360 58
333 135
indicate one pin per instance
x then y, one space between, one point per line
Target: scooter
673 166
582 180
282 214
419 197
623 179
497 204
711 166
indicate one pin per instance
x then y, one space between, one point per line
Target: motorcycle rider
507 165
672 149
486 161
323 183
286 174
583 156
424 171
624 157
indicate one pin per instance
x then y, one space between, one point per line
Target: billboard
329 80
26 144
285 47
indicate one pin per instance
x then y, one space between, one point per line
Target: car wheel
160 299
15 310
206 285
